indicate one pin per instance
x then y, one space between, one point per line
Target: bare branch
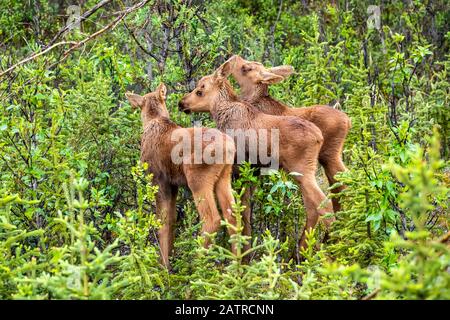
34 56
131 32
86 15
76 45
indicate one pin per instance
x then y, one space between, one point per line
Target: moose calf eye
246 69
199 93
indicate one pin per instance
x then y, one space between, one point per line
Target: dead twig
371 295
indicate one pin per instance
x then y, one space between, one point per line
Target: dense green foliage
77 209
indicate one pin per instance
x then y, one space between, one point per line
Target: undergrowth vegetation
77 209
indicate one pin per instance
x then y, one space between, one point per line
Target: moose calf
254 80
299 140
160 148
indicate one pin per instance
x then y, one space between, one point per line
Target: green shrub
77 211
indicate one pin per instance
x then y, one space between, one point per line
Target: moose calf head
209 89
152 105
250 74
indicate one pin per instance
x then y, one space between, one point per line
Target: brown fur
299 140
254 80
202 179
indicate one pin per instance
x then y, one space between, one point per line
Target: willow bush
77 211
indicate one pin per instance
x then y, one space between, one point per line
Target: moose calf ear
269 77
225 69
162 90
234 57
135 100
283 71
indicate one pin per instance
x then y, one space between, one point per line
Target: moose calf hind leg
312 199
166 209
331 168
226 200
206 206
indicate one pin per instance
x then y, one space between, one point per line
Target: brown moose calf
299 140
175 160
254 80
